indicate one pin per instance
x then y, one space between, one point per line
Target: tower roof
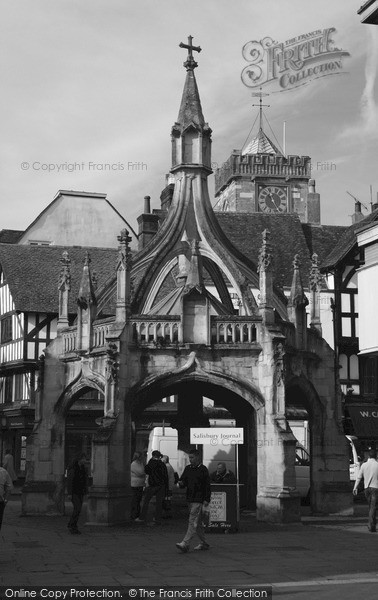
261 144
190 108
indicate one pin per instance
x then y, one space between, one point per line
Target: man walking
196 479
77 487
157 486
369 473
6 486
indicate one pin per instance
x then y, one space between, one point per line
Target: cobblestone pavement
41 551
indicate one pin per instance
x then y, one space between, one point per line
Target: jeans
2 506
195 523
137 494
149 492
371 495
77 502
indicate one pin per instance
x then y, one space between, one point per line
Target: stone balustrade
100 331
69 340
235 330
157 330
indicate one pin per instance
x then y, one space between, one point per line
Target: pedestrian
167 504
157 486
196 479
222 474
77 487
6 486
8 464
369 473
137 480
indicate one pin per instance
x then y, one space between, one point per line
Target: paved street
320 558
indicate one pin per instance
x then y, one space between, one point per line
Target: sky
96 83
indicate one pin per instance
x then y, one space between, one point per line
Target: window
369 376
349 306
8 389
6 329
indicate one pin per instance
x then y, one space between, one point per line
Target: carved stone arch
143 392
311 400
74 390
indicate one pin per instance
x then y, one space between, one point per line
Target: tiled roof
261 144
32 273
10 236
288 237
346 242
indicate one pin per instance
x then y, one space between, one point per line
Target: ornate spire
265 254
65 275
86 296
64 287
124 253
190 109
297 295
264 268
315 278
123 277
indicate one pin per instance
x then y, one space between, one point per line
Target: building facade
169 335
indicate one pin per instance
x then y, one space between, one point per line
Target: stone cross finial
190 63
265 254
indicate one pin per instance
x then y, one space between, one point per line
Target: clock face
273 199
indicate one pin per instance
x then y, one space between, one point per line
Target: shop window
6 329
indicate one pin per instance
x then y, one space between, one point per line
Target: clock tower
262 179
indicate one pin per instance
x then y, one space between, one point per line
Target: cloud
367 124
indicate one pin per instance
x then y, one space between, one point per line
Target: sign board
365 420
217 436
218 506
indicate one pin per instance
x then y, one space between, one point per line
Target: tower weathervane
260 95
190 63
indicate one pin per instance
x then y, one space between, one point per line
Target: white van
354 460
302 465
164 439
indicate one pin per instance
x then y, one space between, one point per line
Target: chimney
148 224
374 206
357 216
312 207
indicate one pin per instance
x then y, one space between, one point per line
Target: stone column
43 492
277 498
109 497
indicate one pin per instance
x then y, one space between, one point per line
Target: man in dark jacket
196 479
77 487
157 486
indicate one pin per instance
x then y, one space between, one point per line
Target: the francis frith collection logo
290 64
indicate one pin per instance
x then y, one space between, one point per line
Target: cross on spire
260 95
190 63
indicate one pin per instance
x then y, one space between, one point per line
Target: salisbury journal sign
216 436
